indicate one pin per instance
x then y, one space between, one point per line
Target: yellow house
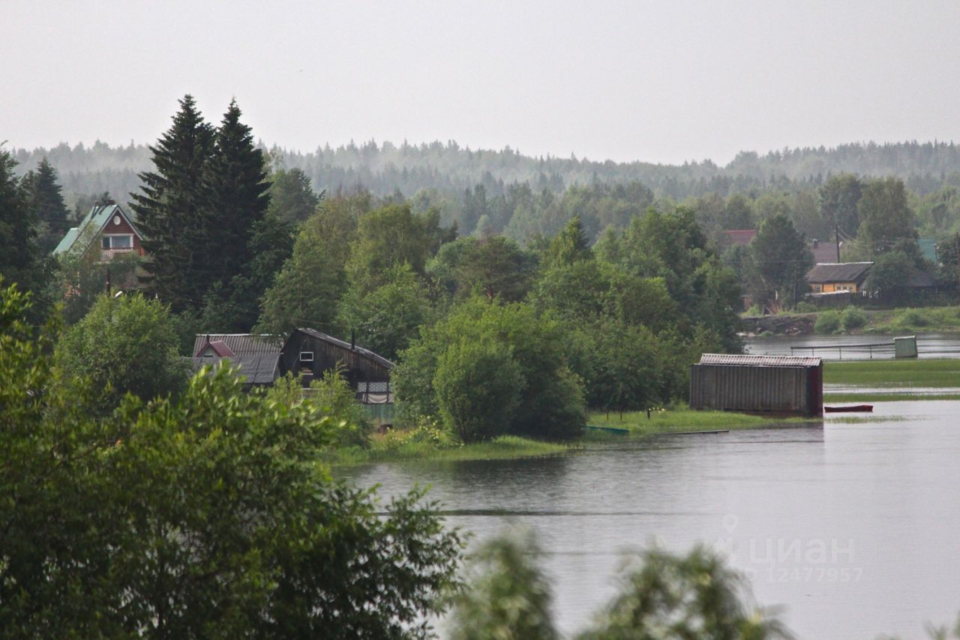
837 277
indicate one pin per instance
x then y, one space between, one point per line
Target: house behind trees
307 354
106 229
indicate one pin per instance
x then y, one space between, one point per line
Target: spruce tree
237 199
171 211
21 261
45 201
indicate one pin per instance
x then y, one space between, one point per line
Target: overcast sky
657 81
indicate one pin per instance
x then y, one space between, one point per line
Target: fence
904 347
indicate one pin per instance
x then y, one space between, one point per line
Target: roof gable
91 226
366 353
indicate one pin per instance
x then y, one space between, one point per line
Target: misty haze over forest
387 168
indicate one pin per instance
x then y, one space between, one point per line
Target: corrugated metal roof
257 369
838 272
67 241
241 344
928 247
346 345
759 361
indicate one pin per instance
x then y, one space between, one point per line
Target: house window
306 356
117 242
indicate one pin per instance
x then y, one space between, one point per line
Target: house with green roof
107 229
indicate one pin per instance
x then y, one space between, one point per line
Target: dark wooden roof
843 272
364 353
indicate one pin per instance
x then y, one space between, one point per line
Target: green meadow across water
894 373
681 420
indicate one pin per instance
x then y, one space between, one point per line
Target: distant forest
505 191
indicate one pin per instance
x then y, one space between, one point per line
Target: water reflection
848 525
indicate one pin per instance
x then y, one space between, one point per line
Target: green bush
853 318
478 387
828 322
913 318
552 404
805 307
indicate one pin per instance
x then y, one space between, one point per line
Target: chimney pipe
353 340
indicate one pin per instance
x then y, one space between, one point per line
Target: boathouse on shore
765 385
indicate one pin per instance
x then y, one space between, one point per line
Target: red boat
856 408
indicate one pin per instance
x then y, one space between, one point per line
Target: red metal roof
759 361
741 236
241 344
220 348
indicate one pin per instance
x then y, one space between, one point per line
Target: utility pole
956 241
837 231
796 274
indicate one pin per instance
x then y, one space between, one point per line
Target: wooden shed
309 353
772 385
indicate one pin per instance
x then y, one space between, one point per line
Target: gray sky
657 81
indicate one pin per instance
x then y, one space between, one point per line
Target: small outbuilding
766 385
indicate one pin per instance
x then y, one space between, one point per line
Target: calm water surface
929 345
851 528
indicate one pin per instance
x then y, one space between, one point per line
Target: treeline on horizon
459 179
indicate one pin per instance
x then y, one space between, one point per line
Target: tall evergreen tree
21 261
292 199
45 201
237 194
571 244
169 211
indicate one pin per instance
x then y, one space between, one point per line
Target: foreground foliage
205 515
661 596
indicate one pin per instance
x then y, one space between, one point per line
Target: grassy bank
392 448
914 320
894 373
682 421
432 445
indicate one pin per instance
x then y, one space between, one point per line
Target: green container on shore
905 347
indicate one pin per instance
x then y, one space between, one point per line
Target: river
929 345
850 528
